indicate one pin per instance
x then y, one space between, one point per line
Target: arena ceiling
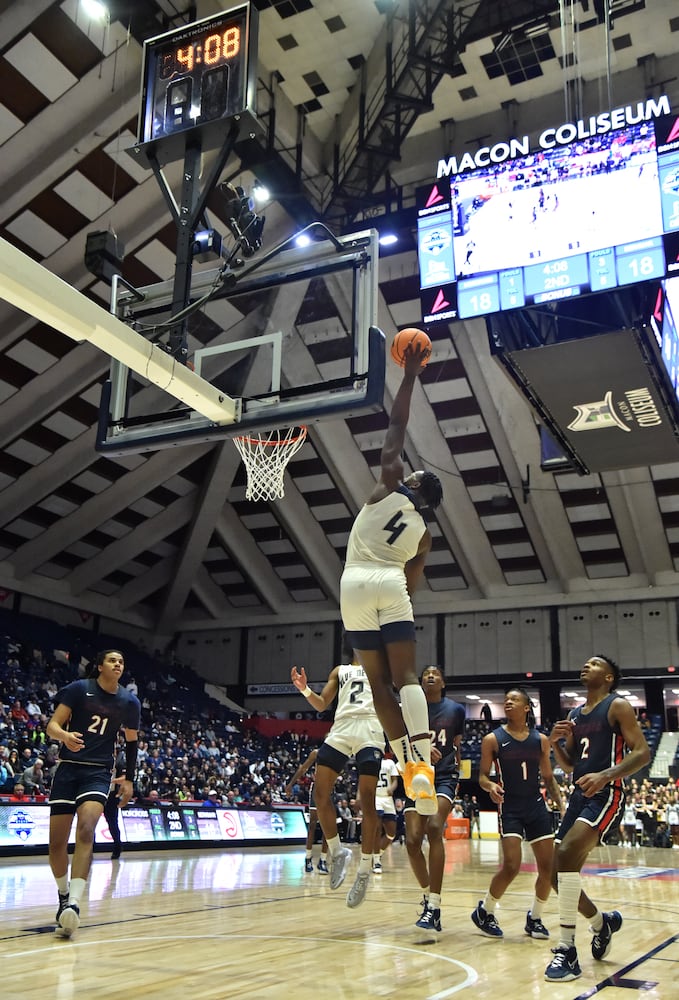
167 541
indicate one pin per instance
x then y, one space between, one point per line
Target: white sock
416 718
365 864
490 903
401 747
334 846
569 895
435 900
597 921
76 890
62 883
537 907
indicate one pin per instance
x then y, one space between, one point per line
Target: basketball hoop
266 458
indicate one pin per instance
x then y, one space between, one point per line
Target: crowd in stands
192 749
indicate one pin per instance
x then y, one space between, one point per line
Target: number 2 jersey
598 745
386 533
98 715
355 696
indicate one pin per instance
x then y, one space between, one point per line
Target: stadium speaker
103 255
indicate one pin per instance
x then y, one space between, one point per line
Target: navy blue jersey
597 745
518 766
98 715
446 721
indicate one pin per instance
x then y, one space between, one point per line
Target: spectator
34 778
19 794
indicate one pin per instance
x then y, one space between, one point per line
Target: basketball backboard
290 338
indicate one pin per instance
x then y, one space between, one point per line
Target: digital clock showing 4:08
215 48
201 74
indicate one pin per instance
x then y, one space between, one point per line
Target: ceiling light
388 239
472 697
625 694
260 193
303 240
96 10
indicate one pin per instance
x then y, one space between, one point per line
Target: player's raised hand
415 358
298 678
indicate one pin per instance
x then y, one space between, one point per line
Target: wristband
130 759
307 691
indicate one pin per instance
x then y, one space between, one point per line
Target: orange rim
273 444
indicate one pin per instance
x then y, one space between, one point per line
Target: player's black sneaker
429 924
322 867
601 942
69 920
308 865
63 903
535 928
564 966
486 922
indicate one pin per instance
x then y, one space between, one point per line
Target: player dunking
386 552
591 743
446 725
521 757
356 732
86 721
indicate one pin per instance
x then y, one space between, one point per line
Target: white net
266 457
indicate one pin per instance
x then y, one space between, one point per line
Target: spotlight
388 239
303 240
261 193
96 10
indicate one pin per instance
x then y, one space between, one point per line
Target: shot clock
198 77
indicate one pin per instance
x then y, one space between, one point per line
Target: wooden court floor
251 924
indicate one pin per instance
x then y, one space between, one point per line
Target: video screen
27 826
585 217
665 324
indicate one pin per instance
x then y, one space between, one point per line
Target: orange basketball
418 338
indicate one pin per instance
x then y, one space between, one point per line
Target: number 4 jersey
98 715
387 532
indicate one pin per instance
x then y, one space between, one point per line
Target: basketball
418 338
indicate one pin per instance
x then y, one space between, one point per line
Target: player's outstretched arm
390 460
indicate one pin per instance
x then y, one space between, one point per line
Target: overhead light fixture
503 42
260 193
537 28
388 239
303 240
96 10
472 697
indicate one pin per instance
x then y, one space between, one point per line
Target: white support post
31 287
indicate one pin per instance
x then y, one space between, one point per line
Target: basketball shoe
338 867
308 865
535 928
564 966
418 782
601 942
69 920
356 894
429 923
486 922
63 903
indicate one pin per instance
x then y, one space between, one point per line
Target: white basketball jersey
387 532
355 696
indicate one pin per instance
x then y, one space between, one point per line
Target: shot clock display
591 216
199 76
